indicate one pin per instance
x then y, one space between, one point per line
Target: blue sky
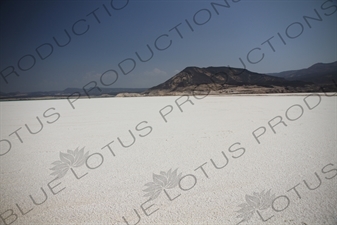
132 25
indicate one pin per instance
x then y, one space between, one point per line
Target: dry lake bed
268 159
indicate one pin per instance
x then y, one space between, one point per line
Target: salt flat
210 141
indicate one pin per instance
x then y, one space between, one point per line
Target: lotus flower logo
164 180
68 160
257 201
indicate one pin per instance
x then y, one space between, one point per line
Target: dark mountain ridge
319 73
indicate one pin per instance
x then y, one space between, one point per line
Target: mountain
228 80
320 73
216 80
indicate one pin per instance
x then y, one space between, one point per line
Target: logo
67 161
257 201
162 181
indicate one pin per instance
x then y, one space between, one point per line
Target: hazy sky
105 36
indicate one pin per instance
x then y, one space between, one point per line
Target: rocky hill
219 80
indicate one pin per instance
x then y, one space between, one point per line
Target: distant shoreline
48 98
175 94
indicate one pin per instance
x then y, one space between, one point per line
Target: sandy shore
230 150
